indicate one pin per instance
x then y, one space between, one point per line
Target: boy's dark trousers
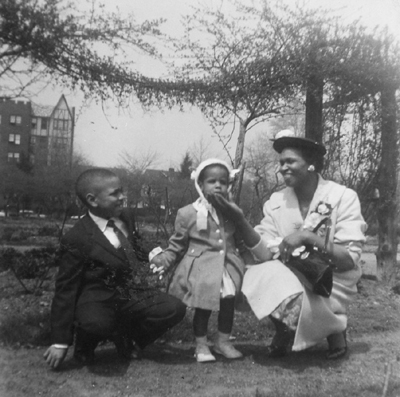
142 320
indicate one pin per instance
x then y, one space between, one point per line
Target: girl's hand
228 208
156 265
159 271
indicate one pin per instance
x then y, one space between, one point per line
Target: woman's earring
311 168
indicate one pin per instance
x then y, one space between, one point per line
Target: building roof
160 174
41 110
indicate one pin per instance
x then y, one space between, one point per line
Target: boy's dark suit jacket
90 270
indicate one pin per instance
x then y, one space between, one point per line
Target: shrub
30 264
34 264
15 234
30 328
49 230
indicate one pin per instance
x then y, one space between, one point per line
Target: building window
61 124
32 140
34 123
44 124
14 138
15 119
13 157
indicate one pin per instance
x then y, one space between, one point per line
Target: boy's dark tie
125 244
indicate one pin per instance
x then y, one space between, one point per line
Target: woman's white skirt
268 284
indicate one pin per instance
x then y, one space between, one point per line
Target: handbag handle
328 242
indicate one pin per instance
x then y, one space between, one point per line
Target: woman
302 318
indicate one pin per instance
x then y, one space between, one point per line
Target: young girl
210 270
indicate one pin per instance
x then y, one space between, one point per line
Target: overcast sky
102 134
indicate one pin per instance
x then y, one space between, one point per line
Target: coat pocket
190 258
183 271
194 252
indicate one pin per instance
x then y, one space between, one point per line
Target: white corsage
317 217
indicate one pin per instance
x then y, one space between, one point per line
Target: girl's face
215 180
293 167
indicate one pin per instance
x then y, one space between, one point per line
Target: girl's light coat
200 257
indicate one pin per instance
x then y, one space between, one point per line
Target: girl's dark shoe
337 346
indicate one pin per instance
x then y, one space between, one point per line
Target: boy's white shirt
107 230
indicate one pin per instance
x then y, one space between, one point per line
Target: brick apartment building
41 134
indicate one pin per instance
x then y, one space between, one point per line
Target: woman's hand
293 241
229 209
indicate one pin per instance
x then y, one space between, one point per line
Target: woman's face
293 167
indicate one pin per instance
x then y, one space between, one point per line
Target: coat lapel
99 241
290 219
129 224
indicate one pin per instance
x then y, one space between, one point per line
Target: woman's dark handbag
315 270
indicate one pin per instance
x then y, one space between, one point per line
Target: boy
95 290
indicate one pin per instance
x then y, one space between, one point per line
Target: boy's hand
55 356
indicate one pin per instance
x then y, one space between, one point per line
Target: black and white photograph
199 198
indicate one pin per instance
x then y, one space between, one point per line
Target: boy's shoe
224 346
203 354
84 357
126 349
85 344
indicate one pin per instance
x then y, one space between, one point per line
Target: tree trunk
240 145
387 183
237 186
314 102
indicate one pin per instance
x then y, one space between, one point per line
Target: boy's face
107 197
215 181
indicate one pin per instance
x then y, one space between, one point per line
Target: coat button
218 231
221 252
220 241
192 251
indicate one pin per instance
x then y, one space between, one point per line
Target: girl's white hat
196 173
201 205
